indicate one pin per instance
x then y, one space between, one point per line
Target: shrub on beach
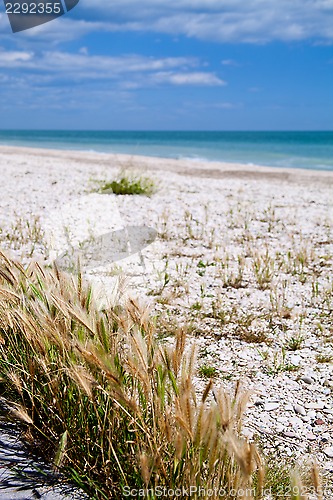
113 407
129 184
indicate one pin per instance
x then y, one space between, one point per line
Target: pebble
248 433
296 421
290 434
307 380
295 359
265 418
320 405
300 410
310 436
328 451
271 406
282 420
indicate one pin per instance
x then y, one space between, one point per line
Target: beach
238 255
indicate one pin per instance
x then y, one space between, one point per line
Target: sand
239 255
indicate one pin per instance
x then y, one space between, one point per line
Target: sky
172 65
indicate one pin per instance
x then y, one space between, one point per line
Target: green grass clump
129 185
207 371
295 342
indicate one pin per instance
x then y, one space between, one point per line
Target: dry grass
111 405
24 236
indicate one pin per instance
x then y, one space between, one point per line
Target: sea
309 150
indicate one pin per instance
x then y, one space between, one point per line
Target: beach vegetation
163 232
128 184
324 358
196 306
263 268
208 371
24 236
249 334
222 314
277 363
270 218
114 395
232 271
109 404
196 226
295 342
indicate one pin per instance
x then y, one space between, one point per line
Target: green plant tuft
207 371
129 184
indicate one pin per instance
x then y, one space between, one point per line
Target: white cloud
253 21
14 58
130 71
229 62
215 105
228 105
196 78
108 67
70 62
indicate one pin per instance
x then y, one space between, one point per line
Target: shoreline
197 168
278 149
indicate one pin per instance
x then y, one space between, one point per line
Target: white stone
300 410
307 380
296 421
271 406
315 406
328 451
290 434
310 436
295 359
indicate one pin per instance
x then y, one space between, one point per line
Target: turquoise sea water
311 150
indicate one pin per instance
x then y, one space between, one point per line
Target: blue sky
163 64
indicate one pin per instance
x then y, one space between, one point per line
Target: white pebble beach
242 259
